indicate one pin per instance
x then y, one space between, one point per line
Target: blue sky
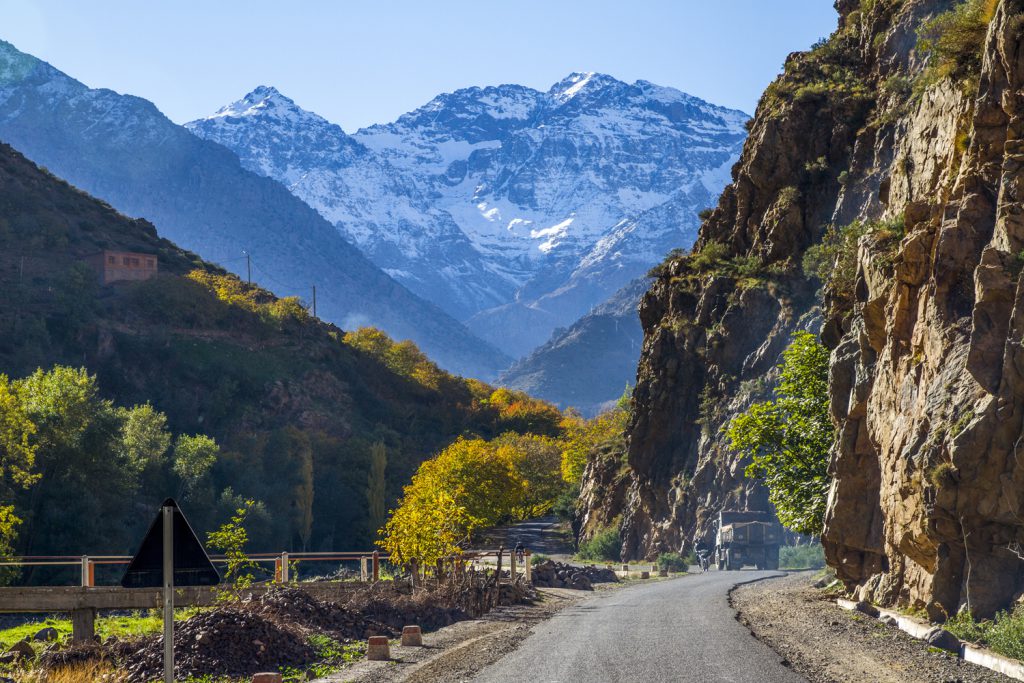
363 62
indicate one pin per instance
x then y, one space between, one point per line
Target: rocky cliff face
926 371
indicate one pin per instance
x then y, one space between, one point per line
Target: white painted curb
969 653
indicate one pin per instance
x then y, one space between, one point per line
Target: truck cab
747 537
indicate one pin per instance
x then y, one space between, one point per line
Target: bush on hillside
953 42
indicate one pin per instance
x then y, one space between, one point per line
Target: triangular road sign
192 566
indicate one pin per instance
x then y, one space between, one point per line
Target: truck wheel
772 558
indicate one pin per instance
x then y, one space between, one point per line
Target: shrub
833 261
604 546
953 42
810 556
538 558
940 473
705 214
1004 634
673 562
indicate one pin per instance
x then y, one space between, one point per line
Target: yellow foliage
403 358
472 484
520 412
232 291
583 436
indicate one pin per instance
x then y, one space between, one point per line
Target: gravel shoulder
831 645
457 652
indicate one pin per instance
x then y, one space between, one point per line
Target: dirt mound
230 641
550 574
290 605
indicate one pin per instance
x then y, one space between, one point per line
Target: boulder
46 635
943 639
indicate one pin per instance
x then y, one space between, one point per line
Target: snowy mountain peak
516 209
576 83
264 101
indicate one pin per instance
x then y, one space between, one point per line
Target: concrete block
645 575
412 636
377 649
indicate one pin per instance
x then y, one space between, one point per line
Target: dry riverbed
831 645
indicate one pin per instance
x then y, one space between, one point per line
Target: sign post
170 555
168 572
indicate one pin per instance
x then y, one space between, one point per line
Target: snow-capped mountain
375 207
123 150
515 209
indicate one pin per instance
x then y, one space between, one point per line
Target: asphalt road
679 630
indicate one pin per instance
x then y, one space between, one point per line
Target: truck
745 537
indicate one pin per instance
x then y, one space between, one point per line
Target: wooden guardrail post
284 567
85 571
362 568
528 569
376 566
512 566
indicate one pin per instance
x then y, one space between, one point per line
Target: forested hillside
298 408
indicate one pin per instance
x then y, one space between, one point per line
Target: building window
125 261
111 260
149 263
135 262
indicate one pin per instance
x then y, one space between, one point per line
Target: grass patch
138 623
811 556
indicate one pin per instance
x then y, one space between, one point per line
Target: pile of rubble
223 642
272 631
550 574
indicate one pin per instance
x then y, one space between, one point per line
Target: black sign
192 566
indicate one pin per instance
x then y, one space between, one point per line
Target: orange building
123 265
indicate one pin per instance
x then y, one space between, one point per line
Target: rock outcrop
927 369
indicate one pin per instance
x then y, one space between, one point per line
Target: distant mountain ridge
589 364
122 149
516 210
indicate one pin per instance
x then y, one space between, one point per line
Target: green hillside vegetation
305 417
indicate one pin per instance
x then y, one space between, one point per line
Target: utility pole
248 267
314 301
21 271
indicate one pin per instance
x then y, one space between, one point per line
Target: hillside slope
296 410
121 149
925 331
588 365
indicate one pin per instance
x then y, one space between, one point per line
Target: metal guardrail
369 562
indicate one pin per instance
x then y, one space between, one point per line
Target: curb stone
967 652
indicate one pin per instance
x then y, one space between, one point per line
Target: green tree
17 460
376 492
194 457
231 539
144 436
84 469
788 439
